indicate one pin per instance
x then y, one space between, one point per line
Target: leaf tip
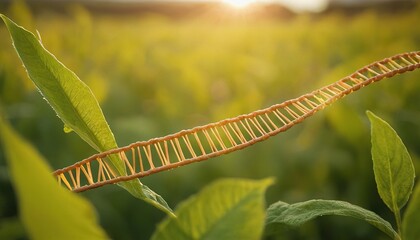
6 20
372 117
370 114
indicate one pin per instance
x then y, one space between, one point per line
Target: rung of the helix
200 143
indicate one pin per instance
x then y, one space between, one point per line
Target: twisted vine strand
200 143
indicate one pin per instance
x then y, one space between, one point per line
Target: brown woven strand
200 143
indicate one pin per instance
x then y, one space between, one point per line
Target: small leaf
299 213
410 225
392 165
74 103
47 210
227 209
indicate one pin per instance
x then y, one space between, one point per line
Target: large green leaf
281 213
72 100
227 209
392 165
74 103
410 225
47 210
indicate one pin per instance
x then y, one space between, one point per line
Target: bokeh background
157 68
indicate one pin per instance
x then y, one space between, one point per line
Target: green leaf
74 103
47 210
71 99
410 225
226 209
392 165
299 213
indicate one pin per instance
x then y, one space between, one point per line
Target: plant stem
398 220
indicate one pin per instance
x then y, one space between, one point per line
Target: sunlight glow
294 5
305 5
238 3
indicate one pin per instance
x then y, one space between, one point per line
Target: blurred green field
155 75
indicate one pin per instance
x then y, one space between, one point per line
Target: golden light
238 3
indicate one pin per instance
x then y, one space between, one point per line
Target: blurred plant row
154 75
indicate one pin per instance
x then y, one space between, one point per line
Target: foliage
394 175
226 209
154 75
46 209
299 213
394 170
74 103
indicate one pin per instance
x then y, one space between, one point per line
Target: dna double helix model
200 143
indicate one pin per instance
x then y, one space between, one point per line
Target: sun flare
238 3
